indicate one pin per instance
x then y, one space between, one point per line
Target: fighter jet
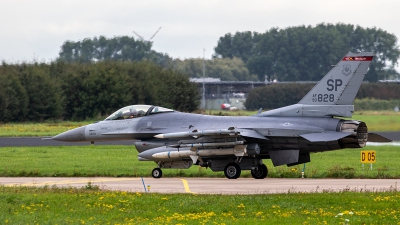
231 144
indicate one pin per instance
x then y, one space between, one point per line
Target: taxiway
210 185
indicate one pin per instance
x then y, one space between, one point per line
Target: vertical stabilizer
341 84
335 93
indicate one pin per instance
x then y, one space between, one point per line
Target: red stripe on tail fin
357 58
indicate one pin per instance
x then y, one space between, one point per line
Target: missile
211 144
238 150
196 133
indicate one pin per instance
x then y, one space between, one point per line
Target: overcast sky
37 29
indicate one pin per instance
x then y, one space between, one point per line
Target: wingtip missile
159 136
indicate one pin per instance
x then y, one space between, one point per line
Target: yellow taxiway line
186 186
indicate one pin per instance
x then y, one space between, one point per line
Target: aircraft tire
260 173
232 171
156 173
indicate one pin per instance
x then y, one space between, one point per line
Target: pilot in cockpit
132 113
141 113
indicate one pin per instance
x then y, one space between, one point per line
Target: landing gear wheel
156 173
232 171
260 172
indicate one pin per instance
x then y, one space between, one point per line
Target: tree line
78 91
306 53
279 95
95 76
300 53
125 48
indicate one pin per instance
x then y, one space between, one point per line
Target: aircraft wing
333 136
252 134
324 137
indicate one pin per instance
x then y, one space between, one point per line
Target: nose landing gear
156 173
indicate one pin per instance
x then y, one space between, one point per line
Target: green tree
96 90
178 92
13 96
307 53
77 91
122 48
240 45
44 100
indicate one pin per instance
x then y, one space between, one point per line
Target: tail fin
334 94
340 85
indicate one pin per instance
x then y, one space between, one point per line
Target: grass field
89 205
379 120
376 121
52 205
38 129
117 161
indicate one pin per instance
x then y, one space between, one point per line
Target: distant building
390 81
218 92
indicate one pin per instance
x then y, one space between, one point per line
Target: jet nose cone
75 135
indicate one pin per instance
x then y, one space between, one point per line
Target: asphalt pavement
35 141
211 185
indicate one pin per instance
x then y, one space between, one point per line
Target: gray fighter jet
231 144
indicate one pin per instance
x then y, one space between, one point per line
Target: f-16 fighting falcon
231 144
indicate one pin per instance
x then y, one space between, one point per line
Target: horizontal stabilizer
323 137
372 137
252 134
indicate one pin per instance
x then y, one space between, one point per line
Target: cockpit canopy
134 111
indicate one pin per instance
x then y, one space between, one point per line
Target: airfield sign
368 156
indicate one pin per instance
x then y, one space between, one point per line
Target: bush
78 91
375 104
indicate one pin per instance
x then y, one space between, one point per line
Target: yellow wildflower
241 205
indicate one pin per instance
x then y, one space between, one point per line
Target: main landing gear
232 170
260 172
